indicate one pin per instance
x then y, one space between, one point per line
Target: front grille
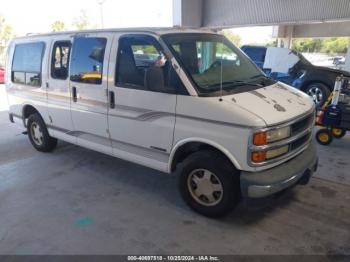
299 142
302 124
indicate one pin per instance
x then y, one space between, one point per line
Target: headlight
263 138
277 152
261 156
278 134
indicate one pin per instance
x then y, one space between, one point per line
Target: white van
165 99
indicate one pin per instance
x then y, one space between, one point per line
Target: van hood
274 104
336 72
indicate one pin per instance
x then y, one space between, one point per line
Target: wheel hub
36 134
205 187
323 137
316 94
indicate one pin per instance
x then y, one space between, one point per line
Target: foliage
82 21
6 33
328 45
335 45
231 36
272 43
58 26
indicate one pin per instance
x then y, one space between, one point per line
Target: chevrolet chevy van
168 99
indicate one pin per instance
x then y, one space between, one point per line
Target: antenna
101 2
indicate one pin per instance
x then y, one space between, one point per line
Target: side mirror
154 79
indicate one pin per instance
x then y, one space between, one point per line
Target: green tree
6 34
335 45
82 21
58 26
307 45
231 36
327 45
272 43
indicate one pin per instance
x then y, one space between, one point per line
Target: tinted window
19 77
87 60
138 55
145 55
60 59
26 65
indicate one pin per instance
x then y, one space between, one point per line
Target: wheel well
306 84
187 149
27 111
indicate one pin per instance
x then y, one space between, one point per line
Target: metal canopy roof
233 13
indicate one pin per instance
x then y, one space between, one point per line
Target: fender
36 107
204 141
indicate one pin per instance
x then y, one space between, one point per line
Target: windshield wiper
235 83
256 76
240 83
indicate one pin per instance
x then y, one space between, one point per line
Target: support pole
347 58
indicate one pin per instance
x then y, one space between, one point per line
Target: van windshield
211 61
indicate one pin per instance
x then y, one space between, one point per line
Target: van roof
154 30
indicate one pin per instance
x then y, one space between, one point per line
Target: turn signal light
258 157
260 139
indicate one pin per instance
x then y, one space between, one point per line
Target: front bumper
268 182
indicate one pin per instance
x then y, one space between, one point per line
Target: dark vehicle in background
2 74
294 69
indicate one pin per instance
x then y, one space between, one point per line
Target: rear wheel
324 136
38 134
209 184
338 132
319 93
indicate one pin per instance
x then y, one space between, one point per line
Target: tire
38 134
319 92
209 167
338 132
324 136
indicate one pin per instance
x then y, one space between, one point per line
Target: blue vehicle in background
292 68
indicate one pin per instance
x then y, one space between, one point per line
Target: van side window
60 59
26 65
136 54
87 60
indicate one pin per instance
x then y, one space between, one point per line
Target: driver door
142 120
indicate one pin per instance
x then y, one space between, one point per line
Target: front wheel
319 93
38 134
209 184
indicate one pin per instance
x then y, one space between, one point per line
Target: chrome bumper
268 182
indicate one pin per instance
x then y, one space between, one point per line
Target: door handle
111 99
74 94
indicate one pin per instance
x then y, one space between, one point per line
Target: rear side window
60 59
26 65
87 60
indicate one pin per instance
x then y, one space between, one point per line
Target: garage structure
291 19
